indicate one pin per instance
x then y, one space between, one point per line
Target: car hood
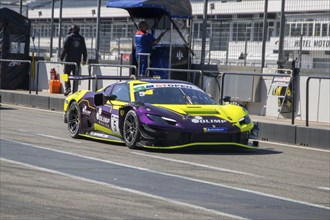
232 113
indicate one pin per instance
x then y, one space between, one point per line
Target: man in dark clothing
143 44
74 47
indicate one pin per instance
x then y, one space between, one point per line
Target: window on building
296 29
241 32
310 29
305 29
220 36
317 31
321 63
196 30
324 29
118 30
257 31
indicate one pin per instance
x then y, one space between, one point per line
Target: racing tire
131 132
74 120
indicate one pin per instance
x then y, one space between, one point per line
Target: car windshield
182 94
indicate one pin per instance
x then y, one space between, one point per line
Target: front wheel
131 129
74 119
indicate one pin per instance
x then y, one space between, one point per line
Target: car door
121 90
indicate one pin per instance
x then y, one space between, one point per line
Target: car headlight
245 120
158 118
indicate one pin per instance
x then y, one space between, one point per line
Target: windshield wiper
187 97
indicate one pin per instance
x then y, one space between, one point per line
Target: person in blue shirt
143 44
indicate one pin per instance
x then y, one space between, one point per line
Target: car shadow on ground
216 150
201 150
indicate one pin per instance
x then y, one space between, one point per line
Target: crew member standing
143 44
74 47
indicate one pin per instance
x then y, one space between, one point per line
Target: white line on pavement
125 189
50 136
294 146
199 165
174 175
324 188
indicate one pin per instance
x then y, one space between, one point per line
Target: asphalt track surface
47 175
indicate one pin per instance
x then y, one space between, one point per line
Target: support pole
282 29
204 33
20 6
52 30
264 36
60 29
97 46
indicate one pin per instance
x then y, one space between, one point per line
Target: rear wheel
74 119
131 129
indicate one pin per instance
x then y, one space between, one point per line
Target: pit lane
271 181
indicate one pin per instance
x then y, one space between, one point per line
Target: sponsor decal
102 120
14 63
216 130
201 120
100 135
115 123
85 111
179 55
161 85
282 79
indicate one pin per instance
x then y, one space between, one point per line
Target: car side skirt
202 144
102 139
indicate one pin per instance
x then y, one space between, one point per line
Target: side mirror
110 97
101 99
227 99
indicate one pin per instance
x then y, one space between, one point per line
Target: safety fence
95 76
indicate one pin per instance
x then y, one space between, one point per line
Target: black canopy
14 44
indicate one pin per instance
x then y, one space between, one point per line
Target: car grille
236 137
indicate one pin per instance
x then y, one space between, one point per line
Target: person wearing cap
73 49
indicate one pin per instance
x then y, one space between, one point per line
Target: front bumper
164 139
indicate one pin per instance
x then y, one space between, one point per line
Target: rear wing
66 77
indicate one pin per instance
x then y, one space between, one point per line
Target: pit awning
154 8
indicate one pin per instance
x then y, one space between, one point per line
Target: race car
158 114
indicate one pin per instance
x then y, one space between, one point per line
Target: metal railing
91 66
307 94
262 75
22 61
200 72
54 62
139 62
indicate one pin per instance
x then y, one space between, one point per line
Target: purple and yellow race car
155 113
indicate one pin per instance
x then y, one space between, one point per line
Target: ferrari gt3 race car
156 113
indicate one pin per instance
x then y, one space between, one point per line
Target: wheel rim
73 120
130 128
